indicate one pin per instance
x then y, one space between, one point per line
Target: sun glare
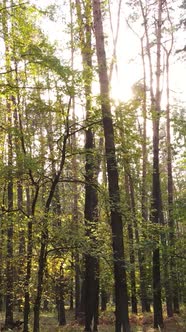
121 91
121 85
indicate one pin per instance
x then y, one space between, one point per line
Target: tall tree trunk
20 264
91 281
9 267
121 296
32 192
75 186
76 226
170 188
9 263
141 256
156 190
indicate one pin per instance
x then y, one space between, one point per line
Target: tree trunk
60 289
20 265
122 319
75 186
30 212
143 276
156 190
91 282
131 248
9 267
42 264
9 257
77 285
71 297
144 209
170 188
1 270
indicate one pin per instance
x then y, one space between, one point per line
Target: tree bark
75 186
156 190
121 296
144 209
10 194
170 189
131 246
91 275
60 290
9 267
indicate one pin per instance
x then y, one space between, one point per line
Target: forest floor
139 323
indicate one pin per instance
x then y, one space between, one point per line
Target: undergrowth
139 323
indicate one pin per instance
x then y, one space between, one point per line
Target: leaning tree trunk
121 296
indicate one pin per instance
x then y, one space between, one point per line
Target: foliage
42 102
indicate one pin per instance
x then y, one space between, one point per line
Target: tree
173 297
10 194
91 275
121 297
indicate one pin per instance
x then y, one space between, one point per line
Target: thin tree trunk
71 297
173 269
1 270
40 276
144 208
121 297
60 298
9 257
131 249
20 265
91 281
30 212
9 267
156 193
75 186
